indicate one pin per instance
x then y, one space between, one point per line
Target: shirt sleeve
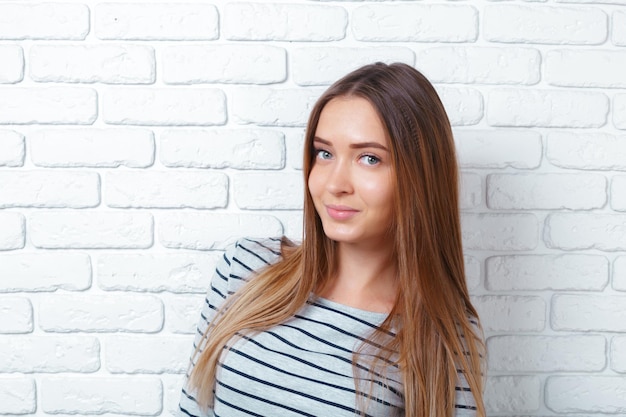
217 293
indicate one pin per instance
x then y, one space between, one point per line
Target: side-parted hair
432 316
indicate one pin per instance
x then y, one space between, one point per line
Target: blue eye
370 160
323 154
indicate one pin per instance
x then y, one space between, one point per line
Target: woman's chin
341 236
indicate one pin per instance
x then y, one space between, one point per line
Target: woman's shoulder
475 326
250 255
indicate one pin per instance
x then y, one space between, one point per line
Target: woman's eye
322 154
370 159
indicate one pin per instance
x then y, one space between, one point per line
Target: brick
179 273
619 28
156 21
594 1
87 147
619 273
573 231
619 111
209 231
471 193
171 390
498 148
294 141
500 232
544 25
164 106
273 107
480 65
588 68
16 315
588 312
127 355
292 223
594 151
618 193
69 189
100 395
166 189
415 22
17 395
546 191
472 272
44 21
239 149
325 65
182 312
511 394
231 64
49 105
618 354
546 353
464 106
49 354
546 108
12 231
45 272
502 313
11 149
90 229
547 272
101 313
105 63
11 63
269 190
283 22
580 394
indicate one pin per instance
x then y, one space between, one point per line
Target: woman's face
352 181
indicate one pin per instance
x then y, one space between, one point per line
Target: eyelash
371 156
317 153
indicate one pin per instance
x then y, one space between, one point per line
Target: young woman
370 314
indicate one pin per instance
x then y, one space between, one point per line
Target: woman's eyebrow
318 139
358 145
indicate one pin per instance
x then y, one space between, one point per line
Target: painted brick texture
139 139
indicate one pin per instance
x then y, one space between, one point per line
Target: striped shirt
302 367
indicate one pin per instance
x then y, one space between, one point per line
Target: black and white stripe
302 367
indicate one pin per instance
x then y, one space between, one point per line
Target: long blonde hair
431 316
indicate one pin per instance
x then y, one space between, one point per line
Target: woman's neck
364 278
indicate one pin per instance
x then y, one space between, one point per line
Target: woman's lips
340 212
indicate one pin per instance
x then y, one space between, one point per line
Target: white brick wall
91 147
547 108
44 21
545 25
17 394
415 22
139 139
155 21
269 21
99 395
163 106
48 105
11 64
108 64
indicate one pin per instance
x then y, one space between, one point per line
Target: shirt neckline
372 315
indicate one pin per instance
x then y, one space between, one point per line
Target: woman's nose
339 180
